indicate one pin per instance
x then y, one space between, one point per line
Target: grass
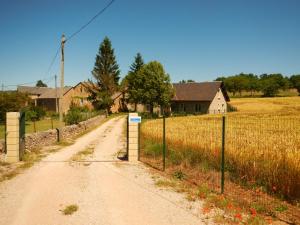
41 125
70 209
79 156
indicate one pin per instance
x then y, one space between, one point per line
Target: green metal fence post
164 142
139 141
223 156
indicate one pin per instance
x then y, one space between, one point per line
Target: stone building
48 98
200 98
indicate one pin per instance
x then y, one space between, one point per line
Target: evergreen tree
137 64
132 82
106 73
40 83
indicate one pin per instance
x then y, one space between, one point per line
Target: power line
53 60
91 20
46 80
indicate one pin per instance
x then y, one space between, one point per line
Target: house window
198 108
182 107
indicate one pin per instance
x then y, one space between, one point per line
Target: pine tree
40 83
106 73
132 81
137 64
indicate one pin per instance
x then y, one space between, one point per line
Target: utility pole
62 62
56 102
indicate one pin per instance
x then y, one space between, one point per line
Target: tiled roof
205 91
51 93
33 90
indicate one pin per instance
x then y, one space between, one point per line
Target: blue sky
193 39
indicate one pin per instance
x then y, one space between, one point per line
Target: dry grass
262 143
70 209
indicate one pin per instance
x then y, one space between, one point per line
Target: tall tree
40 83
137 64
133 83
295 82
106 73
155 85
271 83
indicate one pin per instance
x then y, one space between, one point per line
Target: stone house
189 98
48 98
200 98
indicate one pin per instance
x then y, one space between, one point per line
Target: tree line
145 83
268 84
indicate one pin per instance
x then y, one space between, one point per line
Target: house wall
47 103
218 104
200 107
78 95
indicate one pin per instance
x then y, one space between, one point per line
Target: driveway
105 189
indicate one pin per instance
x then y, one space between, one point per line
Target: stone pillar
133 135
12 138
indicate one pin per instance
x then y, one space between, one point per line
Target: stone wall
37 140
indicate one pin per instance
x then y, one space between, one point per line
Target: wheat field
262 141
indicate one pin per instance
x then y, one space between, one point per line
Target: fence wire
260 151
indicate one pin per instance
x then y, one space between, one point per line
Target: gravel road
106 190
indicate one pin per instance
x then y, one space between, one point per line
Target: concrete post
133 136
12 138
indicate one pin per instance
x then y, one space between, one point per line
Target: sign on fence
135 119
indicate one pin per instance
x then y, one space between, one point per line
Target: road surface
106 190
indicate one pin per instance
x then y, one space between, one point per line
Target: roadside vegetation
262 159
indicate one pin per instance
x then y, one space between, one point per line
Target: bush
74 116
34 113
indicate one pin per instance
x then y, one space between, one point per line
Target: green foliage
40 83
137 64
34 113
155 85
295 82
106 73
12 102
179 175
74 116
269 84
132 82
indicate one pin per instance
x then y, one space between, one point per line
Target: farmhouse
200 98
46 97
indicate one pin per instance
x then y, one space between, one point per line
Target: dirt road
106 190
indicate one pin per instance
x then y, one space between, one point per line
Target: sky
193 39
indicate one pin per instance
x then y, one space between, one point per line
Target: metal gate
22 135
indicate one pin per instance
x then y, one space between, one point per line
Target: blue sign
135 119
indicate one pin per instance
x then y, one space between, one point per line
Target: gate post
133 137
12 137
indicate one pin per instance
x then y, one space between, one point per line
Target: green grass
42 125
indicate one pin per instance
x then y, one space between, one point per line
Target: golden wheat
261 148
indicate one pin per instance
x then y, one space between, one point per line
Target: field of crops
262 144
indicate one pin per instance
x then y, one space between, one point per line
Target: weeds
70 209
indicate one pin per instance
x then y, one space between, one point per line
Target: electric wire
90 21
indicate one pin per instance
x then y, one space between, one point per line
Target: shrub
73 116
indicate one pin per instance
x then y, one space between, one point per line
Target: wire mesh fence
260 151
